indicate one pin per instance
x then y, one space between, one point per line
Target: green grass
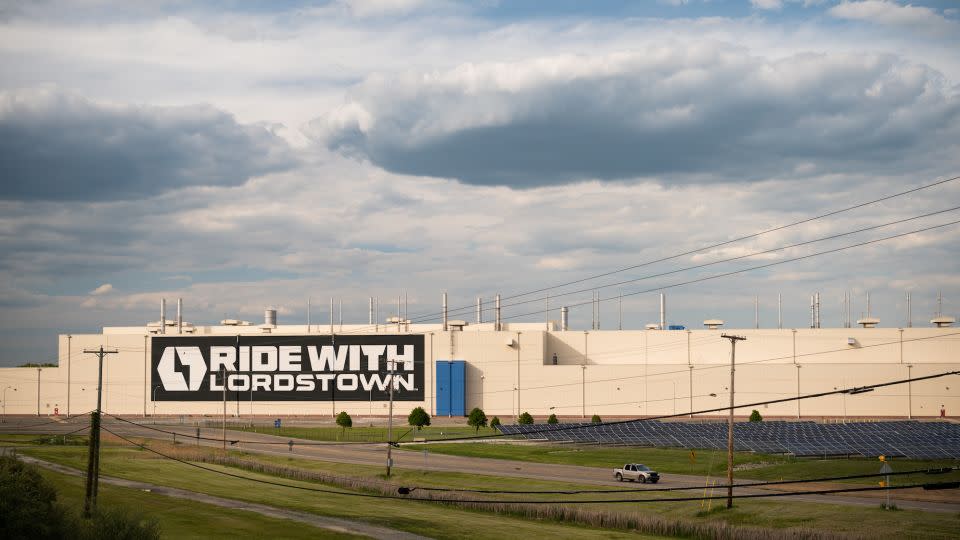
185 519
412 516
365 434
704 462
438 521
664 460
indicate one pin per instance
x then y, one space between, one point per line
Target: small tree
477 418
495 423
344 420
596 419
553 419
525 418
418 417
755 416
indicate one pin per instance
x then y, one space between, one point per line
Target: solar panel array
910 439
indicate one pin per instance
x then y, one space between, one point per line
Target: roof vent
868 322
942 322
713 324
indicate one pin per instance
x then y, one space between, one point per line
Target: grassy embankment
701 463
445 521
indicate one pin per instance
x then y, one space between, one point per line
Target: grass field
185 519
417 517
401 433
441 521
681 461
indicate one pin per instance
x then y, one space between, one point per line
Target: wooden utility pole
223 370
392 364
733 359
93 456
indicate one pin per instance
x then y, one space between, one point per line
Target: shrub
525 418
596 419
477 418
28 503
344 420
495 423
29 509
553 419
418 417
755 416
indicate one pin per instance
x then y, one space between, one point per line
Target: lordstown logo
173 379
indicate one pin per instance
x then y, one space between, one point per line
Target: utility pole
390 421
93 456
223 370
38 390
733 361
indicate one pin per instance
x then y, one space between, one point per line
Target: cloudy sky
244 154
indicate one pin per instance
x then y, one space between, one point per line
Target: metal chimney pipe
497 325
779 311
663 311
371 312
756 312
163 315
444 312
179 315
909 313
813 313
564 314
479 310
817 297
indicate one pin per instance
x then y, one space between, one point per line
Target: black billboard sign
288 368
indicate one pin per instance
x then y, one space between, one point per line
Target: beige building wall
610 373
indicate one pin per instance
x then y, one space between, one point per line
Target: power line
760 267
855 390
940 470
720 244
739 257
433 315
942 485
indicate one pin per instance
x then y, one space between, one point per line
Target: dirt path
330 523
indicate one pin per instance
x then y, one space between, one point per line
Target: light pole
516 412
5 402
38 390
155 399
674 397
909 391
798 391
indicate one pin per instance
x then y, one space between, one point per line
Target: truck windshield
642 468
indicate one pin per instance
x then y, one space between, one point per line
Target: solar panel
905 438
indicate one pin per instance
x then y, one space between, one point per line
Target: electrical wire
434 315
940 470
591 425
752 268
942 485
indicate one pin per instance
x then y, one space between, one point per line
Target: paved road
330 523
375 454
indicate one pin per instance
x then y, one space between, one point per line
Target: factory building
177 368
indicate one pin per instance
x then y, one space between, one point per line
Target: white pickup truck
637 473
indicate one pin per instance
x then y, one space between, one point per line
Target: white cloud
704 109
767 4
887 12
378 8
102 289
